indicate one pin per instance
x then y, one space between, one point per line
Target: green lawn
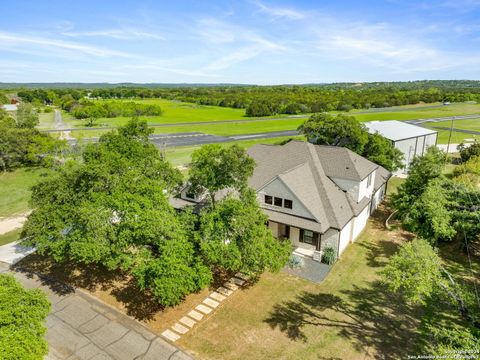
46 120
350 315
450 110
174 112
393 184
15 190
456 138
10 237
469 124
180 156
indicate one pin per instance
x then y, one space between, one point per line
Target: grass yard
350 315
393 184
15 189
46 120
10 237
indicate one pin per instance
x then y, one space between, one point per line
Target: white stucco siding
378 197
357 190
359 222
365 189
277 188
345 236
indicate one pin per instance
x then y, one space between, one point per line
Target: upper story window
277 201
287 204
369 180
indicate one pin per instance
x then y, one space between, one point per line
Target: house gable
278 188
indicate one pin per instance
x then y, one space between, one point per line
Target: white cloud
381 45
16 42
280 12
121 34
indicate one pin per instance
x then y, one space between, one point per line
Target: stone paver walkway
81 327
208 305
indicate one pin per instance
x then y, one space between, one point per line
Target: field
179 156
177 113
15 190
419 113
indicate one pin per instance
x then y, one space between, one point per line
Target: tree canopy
347 131
233 236
111 209
417 272
215 167
23 145
22 317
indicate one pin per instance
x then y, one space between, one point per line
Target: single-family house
316 196
411 140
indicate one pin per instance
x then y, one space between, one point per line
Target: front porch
307 243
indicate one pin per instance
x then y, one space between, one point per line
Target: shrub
22 316
295 262
329 256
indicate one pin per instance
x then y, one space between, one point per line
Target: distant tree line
270 100
85 108
23 145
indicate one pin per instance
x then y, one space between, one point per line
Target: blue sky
253 41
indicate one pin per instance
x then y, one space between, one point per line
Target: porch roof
292 220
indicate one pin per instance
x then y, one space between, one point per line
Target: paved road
473 132
439 119
81 327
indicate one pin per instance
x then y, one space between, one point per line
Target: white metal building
410 139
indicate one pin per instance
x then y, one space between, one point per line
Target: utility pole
449 137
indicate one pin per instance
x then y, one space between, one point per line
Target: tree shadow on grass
63 278
369 317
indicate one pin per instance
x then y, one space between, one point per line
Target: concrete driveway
81 327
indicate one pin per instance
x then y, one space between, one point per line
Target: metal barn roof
397 130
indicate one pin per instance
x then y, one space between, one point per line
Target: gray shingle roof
306 169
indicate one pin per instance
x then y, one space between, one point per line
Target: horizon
253 42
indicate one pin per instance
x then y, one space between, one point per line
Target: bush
22 316
467 152
329 256
295 262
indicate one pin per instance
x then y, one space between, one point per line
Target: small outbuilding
411 140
